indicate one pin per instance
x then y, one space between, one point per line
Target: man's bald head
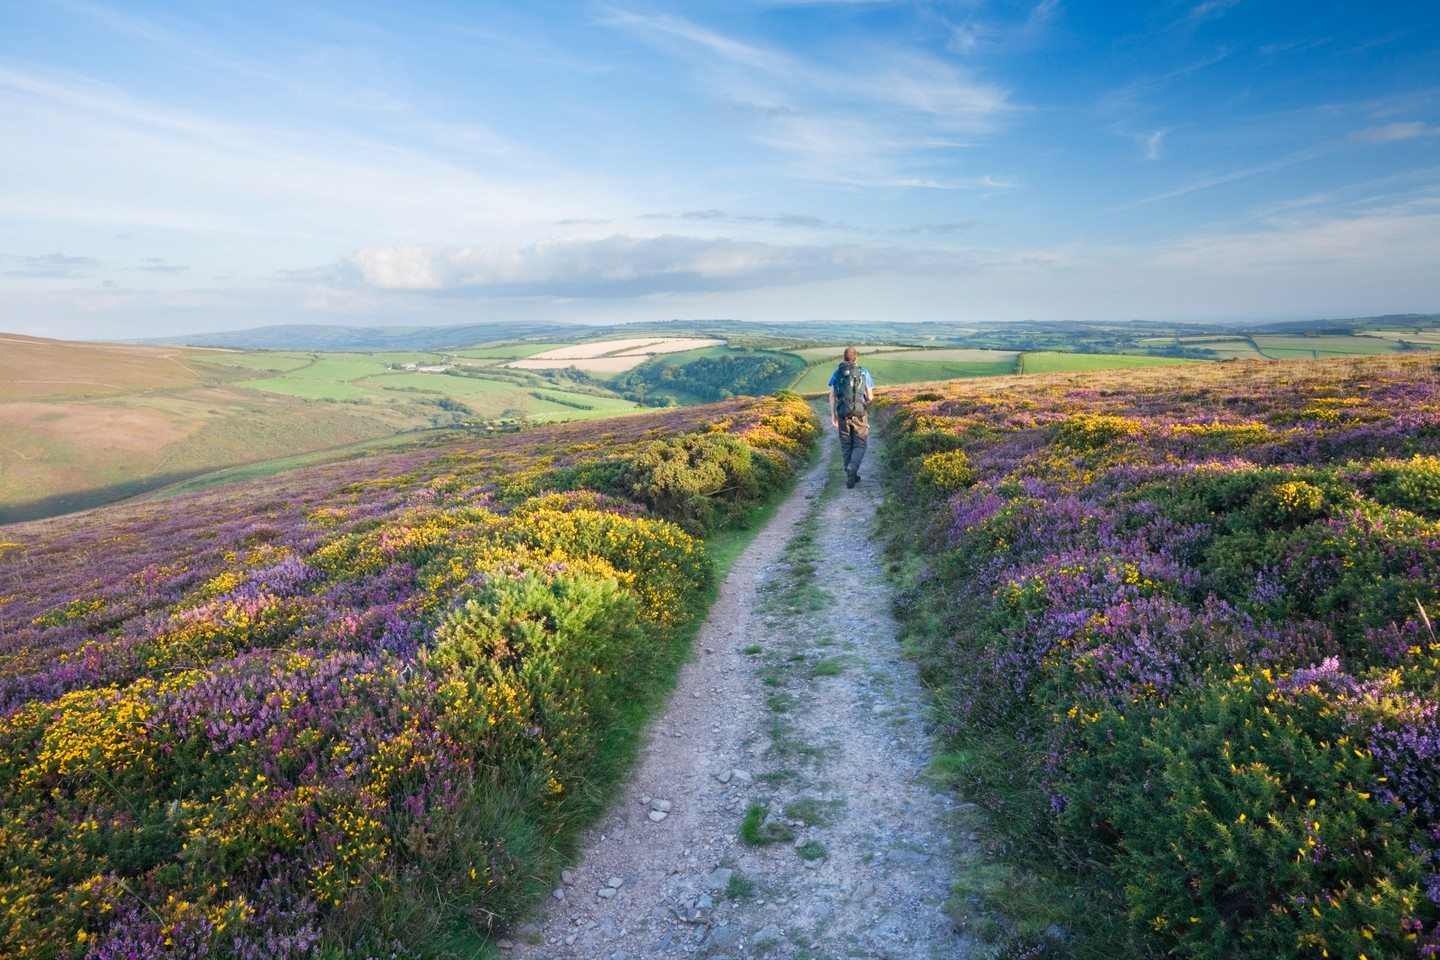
851 354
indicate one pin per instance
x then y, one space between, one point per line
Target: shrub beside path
780 806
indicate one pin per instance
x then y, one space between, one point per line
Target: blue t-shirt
869 381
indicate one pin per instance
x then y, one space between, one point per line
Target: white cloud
619 266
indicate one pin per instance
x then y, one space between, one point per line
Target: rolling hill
85 424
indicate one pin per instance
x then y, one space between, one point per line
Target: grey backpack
850 390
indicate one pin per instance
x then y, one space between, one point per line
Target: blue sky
172 167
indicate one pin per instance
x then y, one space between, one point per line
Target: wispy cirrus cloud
53 266
880 115
1393 132
937 229
1209 9
89 146
978 28
1152 144
161 265
1232 175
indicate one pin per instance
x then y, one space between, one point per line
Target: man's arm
869 388
834 420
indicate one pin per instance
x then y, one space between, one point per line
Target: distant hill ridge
310 336
315 336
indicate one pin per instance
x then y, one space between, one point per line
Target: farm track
798 719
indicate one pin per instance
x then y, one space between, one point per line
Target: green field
1223 348
1286 347
372 378
307 389
1052 362
266 360
889 372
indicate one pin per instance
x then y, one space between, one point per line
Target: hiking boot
851 478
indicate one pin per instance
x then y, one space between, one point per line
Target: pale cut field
677 345
600 348
1424 336
609 356
592 364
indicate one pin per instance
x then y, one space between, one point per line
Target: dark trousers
854 435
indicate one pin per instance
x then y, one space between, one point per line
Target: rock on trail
798 721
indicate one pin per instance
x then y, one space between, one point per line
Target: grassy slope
86 424
890 371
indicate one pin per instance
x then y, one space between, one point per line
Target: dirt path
779 807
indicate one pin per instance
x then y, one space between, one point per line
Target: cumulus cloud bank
620 265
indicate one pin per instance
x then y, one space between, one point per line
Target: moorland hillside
355 705
1181 628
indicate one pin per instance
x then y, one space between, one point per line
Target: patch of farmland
964 354
268 361
1425 337
1233 348
308 389
597 348
588 364
888 371
1055 362
1282 347
677 345
1223 347
610 356
511 351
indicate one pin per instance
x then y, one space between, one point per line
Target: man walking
851 390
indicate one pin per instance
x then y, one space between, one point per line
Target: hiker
851 390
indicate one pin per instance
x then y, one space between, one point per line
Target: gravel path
799 726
